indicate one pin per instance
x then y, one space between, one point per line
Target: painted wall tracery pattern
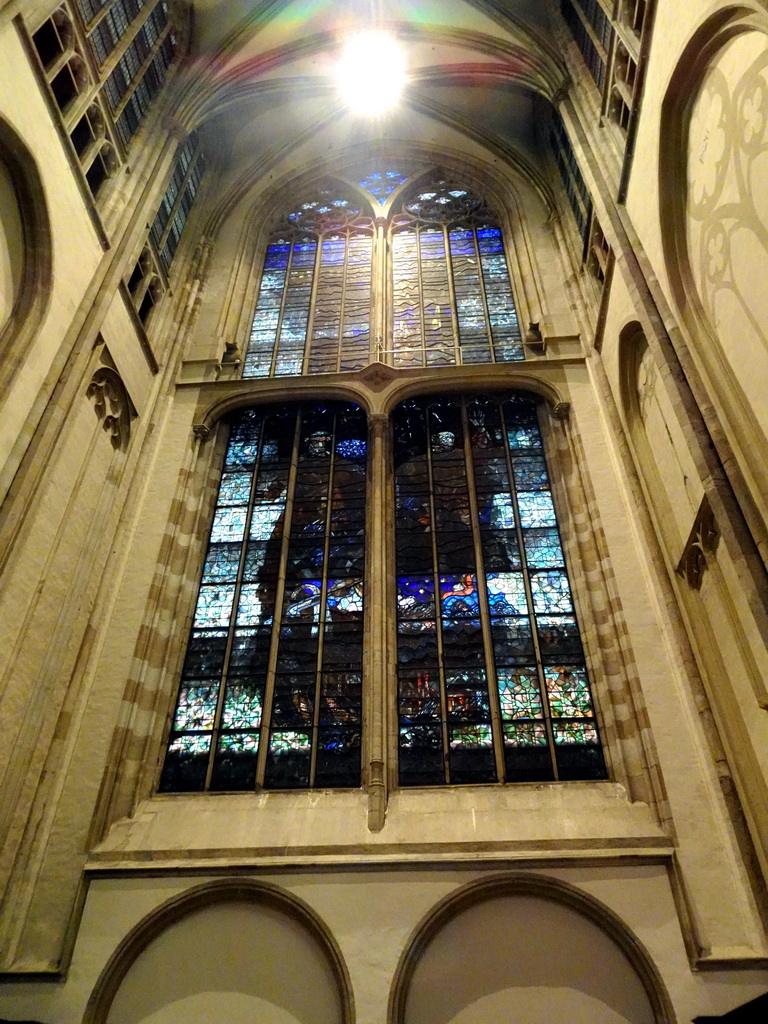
727 221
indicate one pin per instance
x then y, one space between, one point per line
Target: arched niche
233 950
11 244
25 251
670 475
525 948
713 180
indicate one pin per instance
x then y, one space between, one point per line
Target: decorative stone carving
701 542
201 432
561 411
231 352
377 375
112 404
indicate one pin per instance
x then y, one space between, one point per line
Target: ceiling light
371 72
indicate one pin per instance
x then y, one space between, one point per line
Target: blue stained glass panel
235 489
542 548
458 595
536 509
551 593
221 563
381 184
530 473
506 593
416 598
265 520
521 438
214 605
228 524
345 597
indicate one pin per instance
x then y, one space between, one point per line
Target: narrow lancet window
271 686
492 677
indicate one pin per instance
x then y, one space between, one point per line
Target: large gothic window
435 280
492 678
271 685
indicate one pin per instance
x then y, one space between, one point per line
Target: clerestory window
486 680
427 285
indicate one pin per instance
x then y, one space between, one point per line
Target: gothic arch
32 296
524 884
210 894
714 227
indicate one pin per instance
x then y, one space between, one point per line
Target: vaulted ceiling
260 85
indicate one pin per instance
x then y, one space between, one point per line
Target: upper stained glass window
381 184
271 688
451 293
492 678
313 313
451 290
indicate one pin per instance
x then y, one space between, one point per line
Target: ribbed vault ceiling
259 81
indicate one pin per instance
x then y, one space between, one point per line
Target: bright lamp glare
371 73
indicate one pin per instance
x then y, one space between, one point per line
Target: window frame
380 734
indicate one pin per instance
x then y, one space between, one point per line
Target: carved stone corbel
702 542
561 411
201 432
533 339
112 404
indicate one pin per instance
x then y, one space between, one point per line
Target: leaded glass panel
271 689
313 312
493 683
451 291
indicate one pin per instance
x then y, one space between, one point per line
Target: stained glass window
271 688
313 313
493 683
451 291
452 300
381 184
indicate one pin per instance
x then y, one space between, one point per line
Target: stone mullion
380 323
378 663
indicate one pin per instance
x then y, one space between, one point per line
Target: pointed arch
212 894
542 887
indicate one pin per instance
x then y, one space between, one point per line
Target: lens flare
371 73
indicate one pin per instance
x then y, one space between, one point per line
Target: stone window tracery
428 285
